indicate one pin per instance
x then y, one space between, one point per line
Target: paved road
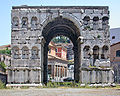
60 92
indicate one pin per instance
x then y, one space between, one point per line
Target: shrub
5 51
3 66
61 84
2 85
52 85
98 36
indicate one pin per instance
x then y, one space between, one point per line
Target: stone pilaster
41 41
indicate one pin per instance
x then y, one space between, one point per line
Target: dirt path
60 92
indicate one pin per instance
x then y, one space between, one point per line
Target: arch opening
64 27
60 60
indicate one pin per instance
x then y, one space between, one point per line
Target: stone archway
62 26
51 21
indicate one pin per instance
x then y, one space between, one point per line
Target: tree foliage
6 51
61 39
3 66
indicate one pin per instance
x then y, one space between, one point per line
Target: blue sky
6 5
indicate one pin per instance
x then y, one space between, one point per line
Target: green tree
61 39
8 51
5 51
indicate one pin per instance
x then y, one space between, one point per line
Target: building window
56 50
113 37
25 53
34 22
35 52
118 53
24 22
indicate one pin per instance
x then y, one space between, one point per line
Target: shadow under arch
62 26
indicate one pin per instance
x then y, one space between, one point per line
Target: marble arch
53 21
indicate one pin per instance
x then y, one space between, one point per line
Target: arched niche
95 23
105 51
95 53
25 52
15 22
34 52
34 22
24 22
105 22
86 52
15 52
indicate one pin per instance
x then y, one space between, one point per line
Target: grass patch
24 87
52 85
65 85
61 84
75 85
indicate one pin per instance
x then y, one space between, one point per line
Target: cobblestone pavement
60 92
